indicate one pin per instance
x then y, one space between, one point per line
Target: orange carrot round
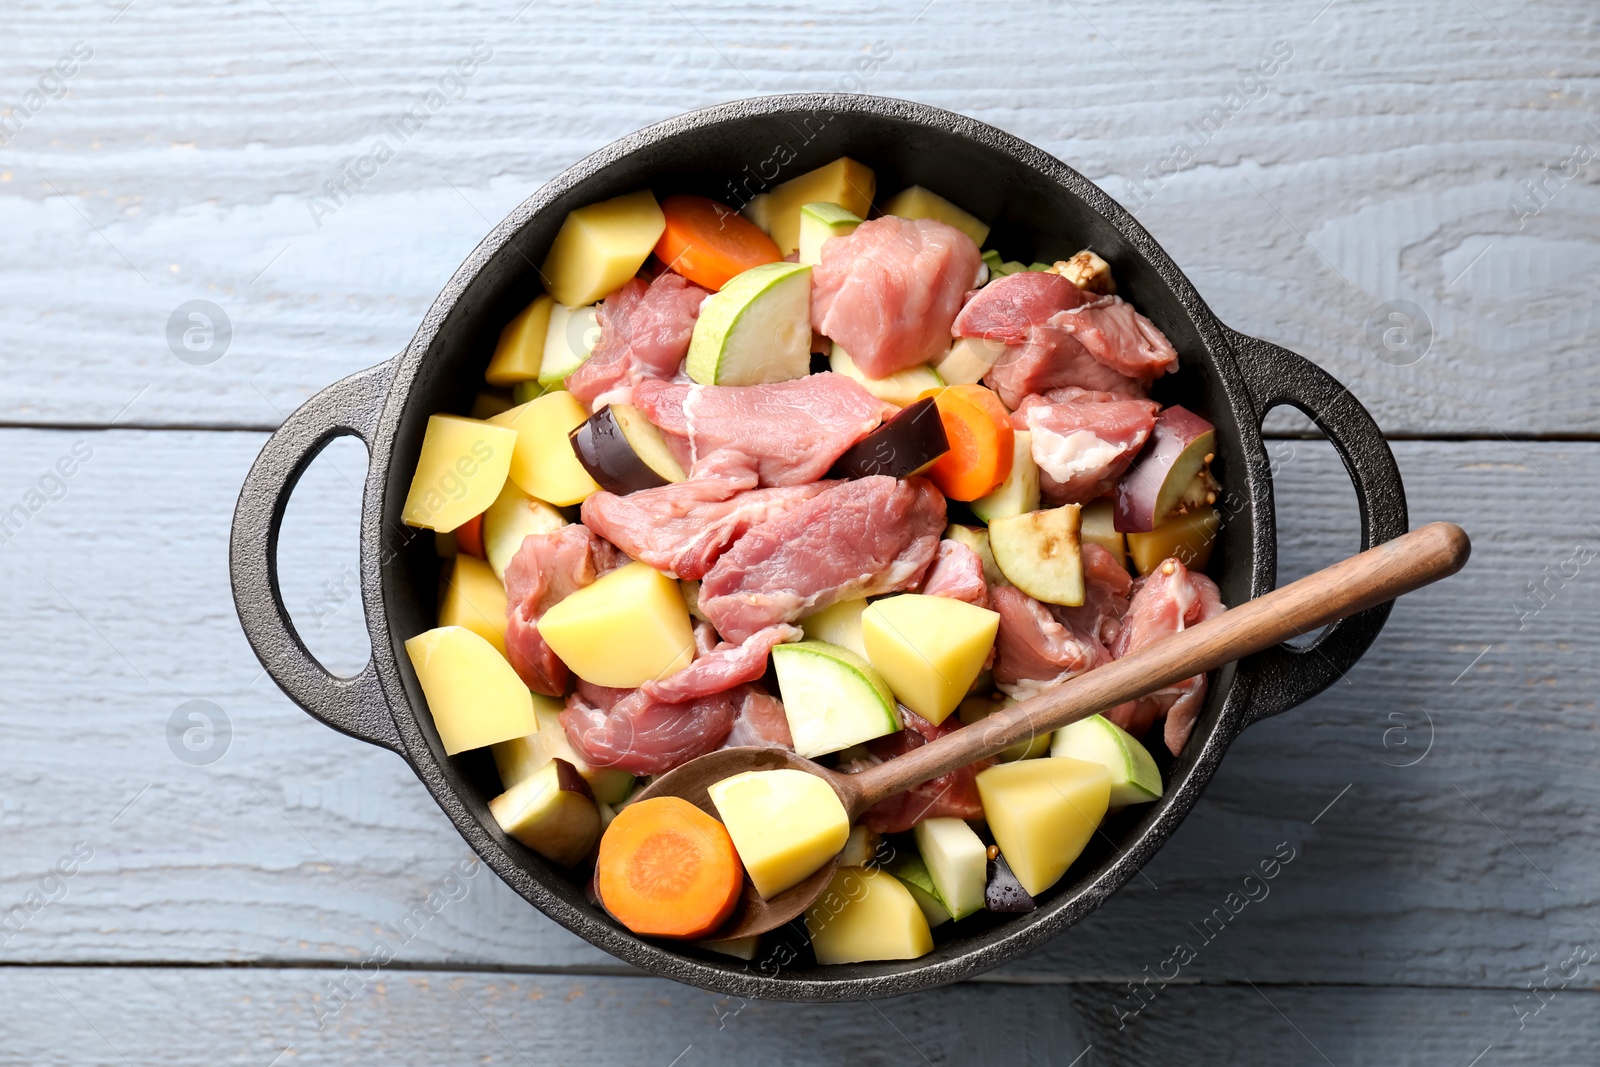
979 430
667 869
708 242
469 537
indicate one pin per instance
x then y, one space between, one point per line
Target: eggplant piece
902 446
1003 892
1180 447
623 451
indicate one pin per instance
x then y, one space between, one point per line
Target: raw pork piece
953 795
1034 651
957 573
546 570
1083 440
858 538
789 432
632 731
1106 589
759 722
1055 338
723 666
681 529
1169 599
888 292
644 333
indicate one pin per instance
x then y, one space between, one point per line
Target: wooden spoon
1375 576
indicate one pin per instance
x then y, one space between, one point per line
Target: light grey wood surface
220 895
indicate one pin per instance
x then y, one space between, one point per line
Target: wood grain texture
247 1018
1376 165
300 845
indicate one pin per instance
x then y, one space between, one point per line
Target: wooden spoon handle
1377 575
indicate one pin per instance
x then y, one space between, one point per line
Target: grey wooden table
200 899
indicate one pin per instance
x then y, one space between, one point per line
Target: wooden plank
298 844
95 1016
1376 164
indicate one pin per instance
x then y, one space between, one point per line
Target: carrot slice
667 869
708 242
469 537
979 430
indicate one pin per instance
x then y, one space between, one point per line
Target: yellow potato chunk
475 599
919 203
867 914
520 757
1042 813
844 182
601 246
543 464
521 348
1189 537
463 464
928 648
622 631
474 695
785 824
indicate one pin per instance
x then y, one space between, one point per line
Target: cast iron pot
1042 210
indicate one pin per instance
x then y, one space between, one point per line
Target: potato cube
1042 813
521 348
867 914
475 599
785 824
601 246
844 182
624 630
928 648
475 697
543 464
919 203
462 466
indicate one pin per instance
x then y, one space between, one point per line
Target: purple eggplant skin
610 458
906 443
1003 892
1179 447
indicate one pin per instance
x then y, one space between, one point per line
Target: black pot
1041 209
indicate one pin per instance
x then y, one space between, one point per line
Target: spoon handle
1379 574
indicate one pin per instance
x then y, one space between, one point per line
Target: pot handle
355 706
1287 675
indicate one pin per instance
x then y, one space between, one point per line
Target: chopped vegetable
600 246
635 609
977 707
512 517
522 756
1042 813
624 451
913 874
756 330
518 356
459 473
1188 538
982 442
667 869
1097 526
977 539
474 696
469 536
1135 779
1179 448
919 203
568 342
552 812
928 649
1087 271
839 624
475 599
861 850
957 861
969 359
832 697
819 223
786 824
844 182
867 914
1004 893
708 242
908 442
543 464
1039 553
900 389
1019 493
